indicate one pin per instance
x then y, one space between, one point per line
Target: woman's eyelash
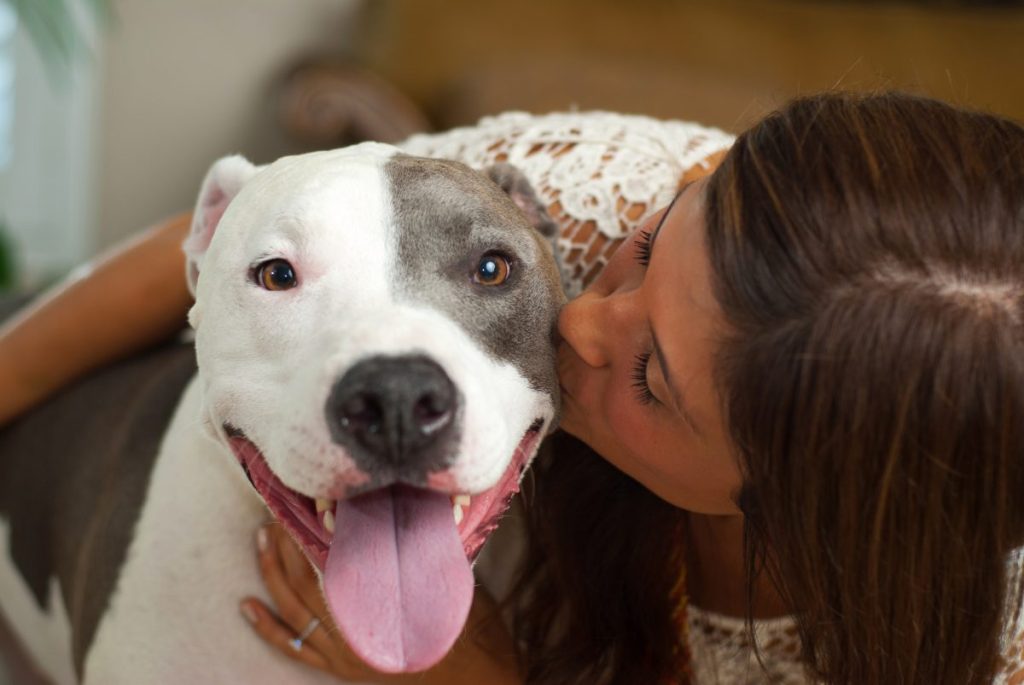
639 375
643 247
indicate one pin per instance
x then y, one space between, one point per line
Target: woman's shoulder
576 124
531 135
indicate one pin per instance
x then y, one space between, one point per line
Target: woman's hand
484 652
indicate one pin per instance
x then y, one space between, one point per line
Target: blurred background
112 110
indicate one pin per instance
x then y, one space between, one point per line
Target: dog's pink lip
486 508
295 511
298 514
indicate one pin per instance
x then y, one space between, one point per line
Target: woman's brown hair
592 604
868 254
868 257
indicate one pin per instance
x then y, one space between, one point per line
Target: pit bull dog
373 334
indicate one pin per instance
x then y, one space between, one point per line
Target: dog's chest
192 560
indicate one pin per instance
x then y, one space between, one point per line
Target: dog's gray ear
510 179
222 183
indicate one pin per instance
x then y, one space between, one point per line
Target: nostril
395 413
362 412
432 412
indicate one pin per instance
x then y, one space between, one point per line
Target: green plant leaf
55 26
8 270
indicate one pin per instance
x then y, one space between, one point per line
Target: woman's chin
569 419
568 423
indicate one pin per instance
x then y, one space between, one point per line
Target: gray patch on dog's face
447 218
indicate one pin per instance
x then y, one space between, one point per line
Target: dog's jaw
311 523
376 554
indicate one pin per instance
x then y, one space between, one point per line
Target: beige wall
186 81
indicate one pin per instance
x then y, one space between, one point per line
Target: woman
809 369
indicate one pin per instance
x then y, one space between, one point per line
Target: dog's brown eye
277 274
493 269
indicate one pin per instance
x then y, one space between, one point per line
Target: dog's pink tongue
397 579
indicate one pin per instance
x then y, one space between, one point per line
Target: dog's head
375 341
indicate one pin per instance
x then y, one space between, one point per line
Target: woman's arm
128 299
484 653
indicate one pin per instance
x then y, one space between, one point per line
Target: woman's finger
295 589
280 635
294 610
298 571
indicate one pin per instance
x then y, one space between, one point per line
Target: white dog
375 364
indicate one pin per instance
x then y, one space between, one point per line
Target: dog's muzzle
398 417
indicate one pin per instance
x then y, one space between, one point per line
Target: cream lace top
722 653
601 174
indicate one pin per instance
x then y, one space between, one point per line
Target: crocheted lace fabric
600 175
1012 672
722 653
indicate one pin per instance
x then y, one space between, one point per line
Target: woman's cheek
628 425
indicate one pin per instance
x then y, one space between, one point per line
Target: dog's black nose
396 414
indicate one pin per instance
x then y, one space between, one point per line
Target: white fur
192 560
223 182
46 635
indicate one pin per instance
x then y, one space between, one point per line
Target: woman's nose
592 322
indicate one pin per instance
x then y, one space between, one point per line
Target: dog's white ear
513 181
222 183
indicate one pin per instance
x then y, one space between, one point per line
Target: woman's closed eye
644 395
643 247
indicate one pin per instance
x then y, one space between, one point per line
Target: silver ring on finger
297 642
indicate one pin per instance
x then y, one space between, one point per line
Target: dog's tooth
329 521
323 505
457 512
461 500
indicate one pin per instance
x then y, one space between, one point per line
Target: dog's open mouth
395 561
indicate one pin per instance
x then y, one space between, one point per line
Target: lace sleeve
599 173
721 652
1012 671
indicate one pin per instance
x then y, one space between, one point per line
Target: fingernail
249 612
261 539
